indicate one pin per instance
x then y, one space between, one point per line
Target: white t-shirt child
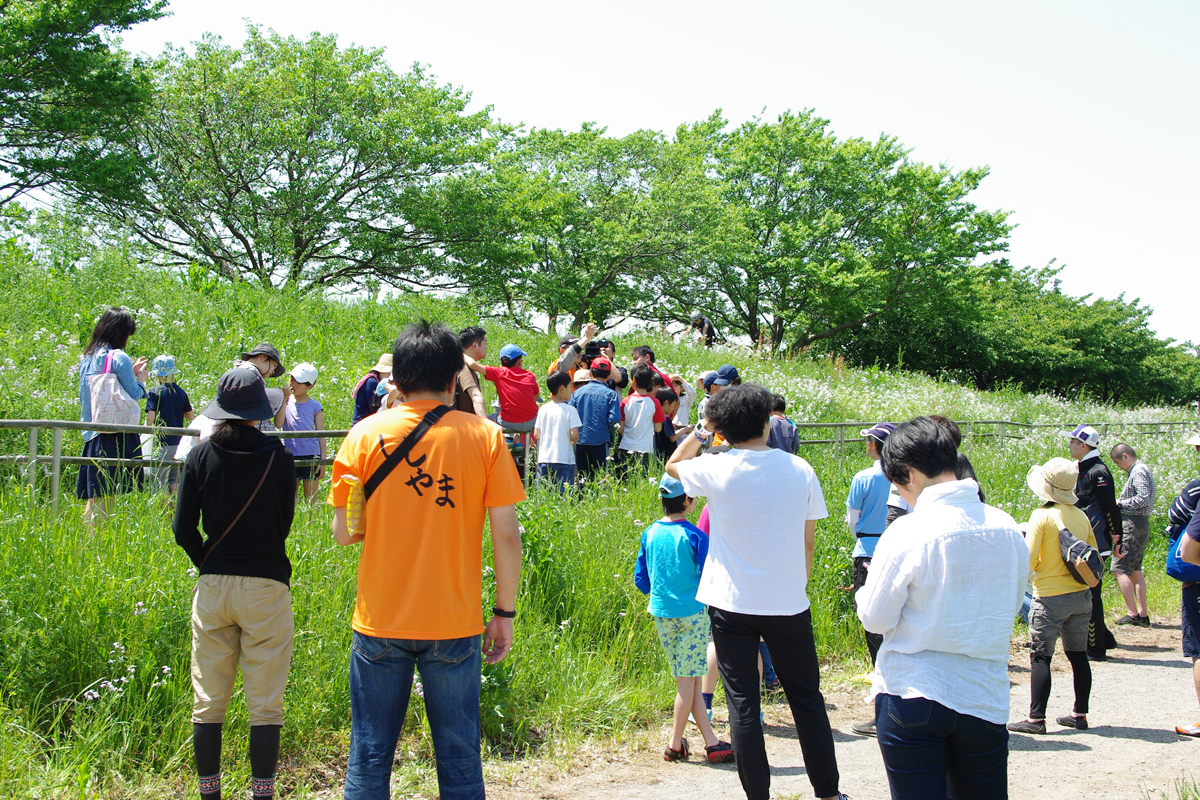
640 413
553 424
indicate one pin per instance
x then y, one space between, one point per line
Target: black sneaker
1143 622
1128 620
1072 721
1099 655
1025 726
864 728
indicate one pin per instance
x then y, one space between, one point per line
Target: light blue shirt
91 365
668 568
869 495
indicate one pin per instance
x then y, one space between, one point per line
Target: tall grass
94 633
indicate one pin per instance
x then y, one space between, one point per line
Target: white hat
304 372
1194 441
1084 433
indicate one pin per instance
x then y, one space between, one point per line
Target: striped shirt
1180 513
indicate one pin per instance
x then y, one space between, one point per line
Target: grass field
94 629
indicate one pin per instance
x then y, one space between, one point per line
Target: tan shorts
239 619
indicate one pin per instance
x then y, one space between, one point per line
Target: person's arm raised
689 448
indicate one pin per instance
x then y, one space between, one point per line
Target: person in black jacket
242 484
1097 498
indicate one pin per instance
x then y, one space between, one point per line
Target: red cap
602 363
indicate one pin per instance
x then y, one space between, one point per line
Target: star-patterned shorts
685 640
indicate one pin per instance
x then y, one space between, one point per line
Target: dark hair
228 433
1121 450
665 395
425 358
739 413
778 403
601 372
557 380
642 350
471 335
951 428
674 505
657 380
640 375
919 444
112 330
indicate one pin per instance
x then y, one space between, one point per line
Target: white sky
1087 113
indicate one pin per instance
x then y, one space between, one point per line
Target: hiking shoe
864 728
1072 721
1099 655
1025 726
1128 620
1143 622
676 755
719 753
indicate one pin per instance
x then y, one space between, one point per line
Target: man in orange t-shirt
420 571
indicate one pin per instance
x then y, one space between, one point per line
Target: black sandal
676 755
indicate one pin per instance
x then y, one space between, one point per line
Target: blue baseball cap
726 374
670 487
162 366
511 352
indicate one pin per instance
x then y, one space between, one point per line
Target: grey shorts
1135 533
1067 615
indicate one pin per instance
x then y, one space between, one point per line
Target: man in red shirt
517 387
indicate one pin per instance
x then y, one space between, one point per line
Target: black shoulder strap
402 450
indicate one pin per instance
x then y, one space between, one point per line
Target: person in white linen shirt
945 584
763 509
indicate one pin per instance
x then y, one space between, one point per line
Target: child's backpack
1082 560
1177 568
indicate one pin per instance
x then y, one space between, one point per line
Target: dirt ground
1131 750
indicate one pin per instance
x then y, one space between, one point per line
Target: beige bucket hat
385 364
1054 481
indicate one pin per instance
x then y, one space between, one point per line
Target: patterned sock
707 700
263 787
210 787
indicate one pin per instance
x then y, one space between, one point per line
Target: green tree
296 163
598 224
68 99
822 236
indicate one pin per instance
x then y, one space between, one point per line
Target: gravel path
1131 750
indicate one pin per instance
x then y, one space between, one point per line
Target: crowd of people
938 575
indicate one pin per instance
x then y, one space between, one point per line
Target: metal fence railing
1002 430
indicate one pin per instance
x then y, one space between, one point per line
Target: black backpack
1082 560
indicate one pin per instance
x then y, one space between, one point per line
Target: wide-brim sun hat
384 364
268 350
1054 481
241 394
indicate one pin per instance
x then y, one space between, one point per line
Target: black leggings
1081 670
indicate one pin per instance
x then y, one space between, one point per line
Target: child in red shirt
517 387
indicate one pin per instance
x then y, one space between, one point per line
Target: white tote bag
111 404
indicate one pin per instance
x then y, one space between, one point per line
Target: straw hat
1054 481
384 365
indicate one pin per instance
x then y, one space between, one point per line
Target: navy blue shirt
366 402
599 409
170 402
663 445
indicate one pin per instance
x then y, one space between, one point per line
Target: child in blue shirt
168 406
668 569
305 413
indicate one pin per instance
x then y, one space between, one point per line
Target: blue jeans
381 673
928 748
560 475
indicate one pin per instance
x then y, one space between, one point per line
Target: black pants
874 640
591 458
1100 638
794 652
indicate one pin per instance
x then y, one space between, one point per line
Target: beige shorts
247 620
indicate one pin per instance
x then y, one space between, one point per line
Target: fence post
32 477
55 469
1002 435
841 440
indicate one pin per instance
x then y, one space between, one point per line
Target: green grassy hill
94 630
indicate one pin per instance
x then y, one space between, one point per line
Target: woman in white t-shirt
763 509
